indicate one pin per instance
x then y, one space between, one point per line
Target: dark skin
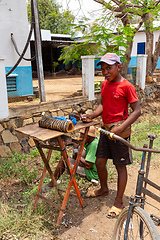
112 74
86 164
61 167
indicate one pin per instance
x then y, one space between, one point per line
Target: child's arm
131 119
96 113
85 163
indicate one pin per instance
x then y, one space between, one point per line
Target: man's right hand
86 118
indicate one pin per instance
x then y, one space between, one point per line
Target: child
86 167
116 94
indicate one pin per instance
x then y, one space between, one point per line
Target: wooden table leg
42 177
47 167
72 177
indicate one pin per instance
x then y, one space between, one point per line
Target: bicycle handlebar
114 136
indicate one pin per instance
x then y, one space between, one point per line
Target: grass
140 137
23 223
17 217
17 166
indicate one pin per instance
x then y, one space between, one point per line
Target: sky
87 6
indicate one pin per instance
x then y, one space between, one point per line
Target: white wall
141 37
3 93
13 19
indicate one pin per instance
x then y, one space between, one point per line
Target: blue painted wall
158 64
24 81
95 62
133 62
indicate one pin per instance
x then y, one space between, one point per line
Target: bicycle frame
138 199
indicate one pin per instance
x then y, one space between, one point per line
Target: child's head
91 132
110 65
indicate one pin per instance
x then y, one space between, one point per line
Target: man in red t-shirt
116 94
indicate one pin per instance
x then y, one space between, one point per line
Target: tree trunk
149 46
125 65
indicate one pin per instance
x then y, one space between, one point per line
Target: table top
44 134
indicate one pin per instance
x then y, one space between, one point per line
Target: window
11 82
141 48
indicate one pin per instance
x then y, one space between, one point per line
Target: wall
11 140
139 38
13 19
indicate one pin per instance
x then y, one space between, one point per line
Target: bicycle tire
149 229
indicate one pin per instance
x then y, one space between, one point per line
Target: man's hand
86 118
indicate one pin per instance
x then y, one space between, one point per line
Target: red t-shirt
116 97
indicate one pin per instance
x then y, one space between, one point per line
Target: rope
56 124
16 48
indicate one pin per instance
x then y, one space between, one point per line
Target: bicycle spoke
141 227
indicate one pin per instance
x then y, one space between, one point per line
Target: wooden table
41 137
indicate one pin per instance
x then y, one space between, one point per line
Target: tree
52 16
94 41
75 51
97 39
147 11
122 14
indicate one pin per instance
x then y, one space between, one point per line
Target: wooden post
38 48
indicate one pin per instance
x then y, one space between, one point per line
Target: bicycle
134 222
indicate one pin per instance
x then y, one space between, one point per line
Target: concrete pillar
88 76
3 91
141 71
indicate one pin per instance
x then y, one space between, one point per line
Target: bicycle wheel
138 217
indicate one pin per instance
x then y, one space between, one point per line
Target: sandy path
91 223
59 88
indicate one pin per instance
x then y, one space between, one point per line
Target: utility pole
38 48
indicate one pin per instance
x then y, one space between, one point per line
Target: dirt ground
91 222
57 88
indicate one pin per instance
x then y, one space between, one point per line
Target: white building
14 20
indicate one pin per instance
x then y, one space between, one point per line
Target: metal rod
114 136
152 137
151 183
152 195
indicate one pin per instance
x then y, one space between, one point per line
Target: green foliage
140 133
23 222
52 17
96 39
97 85
75 51
55 64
